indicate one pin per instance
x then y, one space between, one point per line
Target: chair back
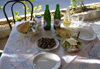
14 2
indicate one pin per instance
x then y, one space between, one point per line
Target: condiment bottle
38 20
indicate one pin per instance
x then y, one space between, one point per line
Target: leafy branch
28 10
17 16
81 4
37 9
74 2
1 7
94 5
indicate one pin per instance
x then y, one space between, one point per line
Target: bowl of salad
71 44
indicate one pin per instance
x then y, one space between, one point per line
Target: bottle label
38 21
57 22
45 23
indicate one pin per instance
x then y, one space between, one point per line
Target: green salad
72 44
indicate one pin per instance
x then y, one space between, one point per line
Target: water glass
76 23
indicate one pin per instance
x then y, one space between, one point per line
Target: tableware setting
68 45
46 60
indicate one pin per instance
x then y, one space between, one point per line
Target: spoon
36 26
31 26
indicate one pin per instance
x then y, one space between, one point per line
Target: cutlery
31 27
36 26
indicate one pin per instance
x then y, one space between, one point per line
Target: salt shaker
38 20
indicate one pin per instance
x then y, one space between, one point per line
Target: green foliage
81 4
37 9
98 8
73 2
28 9
32 0
17 16
93 5
1 7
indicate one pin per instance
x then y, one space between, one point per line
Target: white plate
87 35
46 60
57 44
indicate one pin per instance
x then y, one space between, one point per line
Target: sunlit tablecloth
12 59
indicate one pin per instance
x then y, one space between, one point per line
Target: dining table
19 51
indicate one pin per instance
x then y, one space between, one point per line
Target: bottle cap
47 5
57 5
38 16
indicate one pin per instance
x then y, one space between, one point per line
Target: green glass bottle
47 18
57 17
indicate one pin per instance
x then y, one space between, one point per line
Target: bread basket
29 33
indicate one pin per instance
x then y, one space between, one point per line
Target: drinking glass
67 19
27 44
77 20
80 20
24 44
76 23
19 43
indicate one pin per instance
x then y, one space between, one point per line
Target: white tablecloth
12 59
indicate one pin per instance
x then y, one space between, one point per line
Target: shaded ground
3 42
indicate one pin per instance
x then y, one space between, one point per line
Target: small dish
87 35
49 49
63 32
46 60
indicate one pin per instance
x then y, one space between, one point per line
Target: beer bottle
47 18
57 17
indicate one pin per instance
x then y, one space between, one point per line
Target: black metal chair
14 2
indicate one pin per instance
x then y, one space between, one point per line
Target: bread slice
24 27
63 32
